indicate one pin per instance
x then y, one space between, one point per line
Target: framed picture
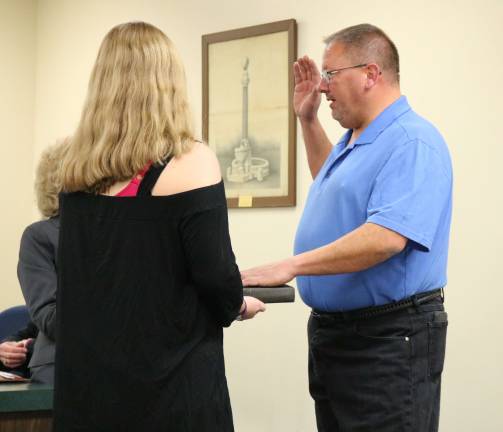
248 117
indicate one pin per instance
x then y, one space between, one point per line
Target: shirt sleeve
30 331
36 272
212 264
411 192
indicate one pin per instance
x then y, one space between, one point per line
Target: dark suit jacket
37 275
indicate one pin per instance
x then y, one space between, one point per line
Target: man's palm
306 99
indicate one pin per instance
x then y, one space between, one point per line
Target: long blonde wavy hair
136 110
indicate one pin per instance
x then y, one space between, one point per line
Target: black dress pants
381 374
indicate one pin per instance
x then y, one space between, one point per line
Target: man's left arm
360 249
410 195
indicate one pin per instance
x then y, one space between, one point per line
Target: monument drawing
245 167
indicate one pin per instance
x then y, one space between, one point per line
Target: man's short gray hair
367 43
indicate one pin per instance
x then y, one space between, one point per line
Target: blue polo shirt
398 175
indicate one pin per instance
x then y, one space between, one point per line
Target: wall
17 103
451 67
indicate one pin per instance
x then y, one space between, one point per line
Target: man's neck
374 109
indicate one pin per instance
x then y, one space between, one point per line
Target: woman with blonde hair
147 276
36 268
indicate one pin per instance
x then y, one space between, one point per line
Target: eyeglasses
326 75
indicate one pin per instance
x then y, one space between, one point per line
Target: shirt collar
345 138
381 122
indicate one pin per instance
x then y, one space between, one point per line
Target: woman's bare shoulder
197 168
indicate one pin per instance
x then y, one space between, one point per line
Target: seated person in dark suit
37 264
16 351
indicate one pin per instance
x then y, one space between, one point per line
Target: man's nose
323 86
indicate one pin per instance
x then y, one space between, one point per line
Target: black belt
375 311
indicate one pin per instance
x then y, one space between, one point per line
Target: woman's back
143 299
146 281
192 170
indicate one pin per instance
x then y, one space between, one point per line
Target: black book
278 294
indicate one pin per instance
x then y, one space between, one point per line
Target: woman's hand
251 307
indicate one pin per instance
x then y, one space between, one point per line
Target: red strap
131 189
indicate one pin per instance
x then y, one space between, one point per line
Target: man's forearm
358 250
318 146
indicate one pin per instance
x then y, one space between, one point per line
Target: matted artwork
248 118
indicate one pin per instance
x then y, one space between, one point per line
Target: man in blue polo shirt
371 247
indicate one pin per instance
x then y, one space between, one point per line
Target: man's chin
338 118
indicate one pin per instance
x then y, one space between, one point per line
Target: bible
278 294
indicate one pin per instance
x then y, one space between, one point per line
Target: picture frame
248 116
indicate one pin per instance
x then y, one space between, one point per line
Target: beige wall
451 72
17 102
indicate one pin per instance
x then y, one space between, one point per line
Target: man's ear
373 72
